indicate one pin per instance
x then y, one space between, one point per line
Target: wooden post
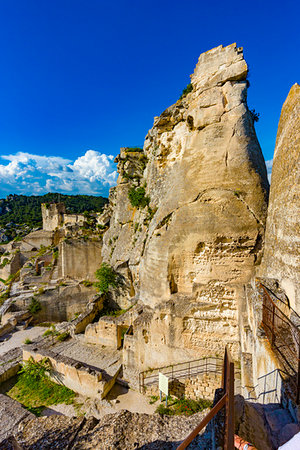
298 375
273 326
229 422
224 371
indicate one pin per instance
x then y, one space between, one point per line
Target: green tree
107 277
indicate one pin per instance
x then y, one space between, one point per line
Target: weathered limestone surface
10 364
124 430
12 266
59 303
198 242
79 259
53 215
36 239
11 414
282 246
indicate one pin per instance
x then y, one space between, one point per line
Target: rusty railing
227 401
284 337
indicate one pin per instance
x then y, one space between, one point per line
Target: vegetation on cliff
107 277
138 198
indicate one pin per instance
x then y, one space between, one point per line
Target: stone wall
260 378
73 219
61 303
79 324
79 259
81 378
104 332
199 386
12 266
36 240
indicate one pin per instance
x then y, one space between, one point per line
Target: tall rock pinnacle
195 239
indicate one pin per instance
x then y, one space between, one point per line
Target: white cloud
25 173
269 165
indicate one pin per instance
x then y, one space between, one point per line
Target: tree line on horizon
25 209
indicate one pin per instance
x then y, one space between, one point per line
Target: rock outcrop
197 232
123 430
11 414
281 254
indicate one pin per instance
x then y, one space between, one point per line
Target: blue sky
81 78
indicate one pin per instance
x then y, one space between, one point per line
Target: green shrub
28 341
35 370
63 336
254 115
164 410
153 399
34 306
186 91
86 283
35 390
4 263
133 149
107 277
183 406
138 198
51 332
4 296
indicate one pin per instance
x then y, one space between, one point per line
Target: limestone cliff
281 254
198 234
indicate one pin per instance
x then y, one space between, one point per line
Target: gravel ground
16 338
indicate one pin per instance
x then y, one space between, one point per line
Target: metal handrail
208 364
227 401
272 318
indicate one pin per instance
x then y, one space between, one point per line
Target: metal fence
182 370
284 337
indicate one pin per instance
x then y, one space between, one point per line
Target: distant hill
23 209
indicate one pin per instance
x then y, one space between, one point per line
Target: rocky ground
124 430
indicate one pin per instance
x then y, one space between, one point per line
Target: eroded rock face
124 430
281 254
201 235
